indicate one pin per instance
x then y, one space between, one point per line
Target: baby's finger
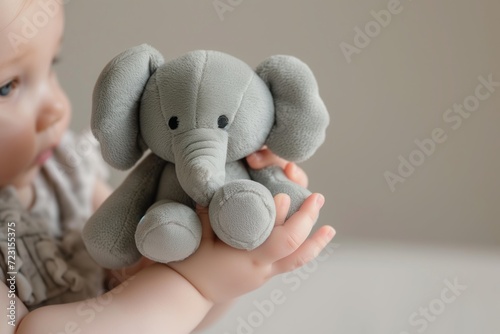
265 158
287 238
308 251
282 202
296 174
207 232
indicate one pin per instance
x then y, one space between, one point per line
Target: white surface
374 287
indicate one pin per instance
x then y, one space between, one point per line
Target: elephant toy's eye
222 121
173 122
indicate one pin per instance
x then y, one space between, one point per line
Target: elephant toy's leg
242 214
169 231
109 233
276 181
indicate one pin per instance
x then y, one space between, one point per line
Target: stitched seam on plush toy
162 111
244 92
199 87
169 223
248 191
134 54
134 197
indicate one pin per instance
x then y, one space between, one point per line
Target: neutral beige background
396 248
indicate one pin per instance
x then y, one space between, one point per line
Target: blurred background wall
393 91
411 157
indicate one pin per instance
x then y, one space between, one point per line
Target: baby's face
34 110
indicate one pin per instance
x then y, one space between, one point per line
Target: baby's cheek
17 150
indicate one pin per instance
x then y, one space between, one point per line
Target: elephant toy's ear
116 104
301 117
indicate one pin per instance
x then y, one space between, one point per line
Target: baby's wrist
208 300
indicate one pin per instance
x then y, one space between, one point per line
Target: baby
46 195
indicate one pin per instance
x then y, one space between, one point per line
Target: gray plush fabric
109 235
301 116
241 213
125 76
203 113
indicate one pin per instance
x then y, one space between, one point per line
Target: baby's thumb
202 213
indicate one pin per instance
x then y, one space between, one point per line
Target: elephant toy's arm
109 233
277 182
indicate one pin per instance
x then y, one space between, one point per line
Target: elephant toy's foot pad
242 214
163 239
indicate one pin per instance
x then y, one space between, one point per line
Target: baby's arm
156 300
175 298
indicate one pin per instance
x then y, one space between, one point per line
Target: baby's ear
116 102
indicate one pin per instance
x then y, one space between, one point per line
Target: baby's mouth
44 156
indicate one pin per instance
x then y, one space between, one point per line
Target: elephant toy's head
203 110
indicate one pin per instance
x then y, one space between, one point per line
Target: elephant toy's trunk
200 162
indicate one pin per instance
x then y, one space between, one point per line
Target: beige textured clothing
51 265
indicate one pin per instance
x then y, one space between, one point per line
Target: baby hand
265 158
260 159
221 273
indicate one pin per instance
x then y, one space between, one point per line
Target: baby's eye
6 89
56 60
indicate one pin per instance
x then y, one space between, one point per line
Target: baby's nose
51 111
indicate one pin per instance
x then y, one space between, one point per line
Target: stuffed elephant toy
200 115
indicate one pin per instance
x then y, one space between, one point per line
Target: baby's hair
22 4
